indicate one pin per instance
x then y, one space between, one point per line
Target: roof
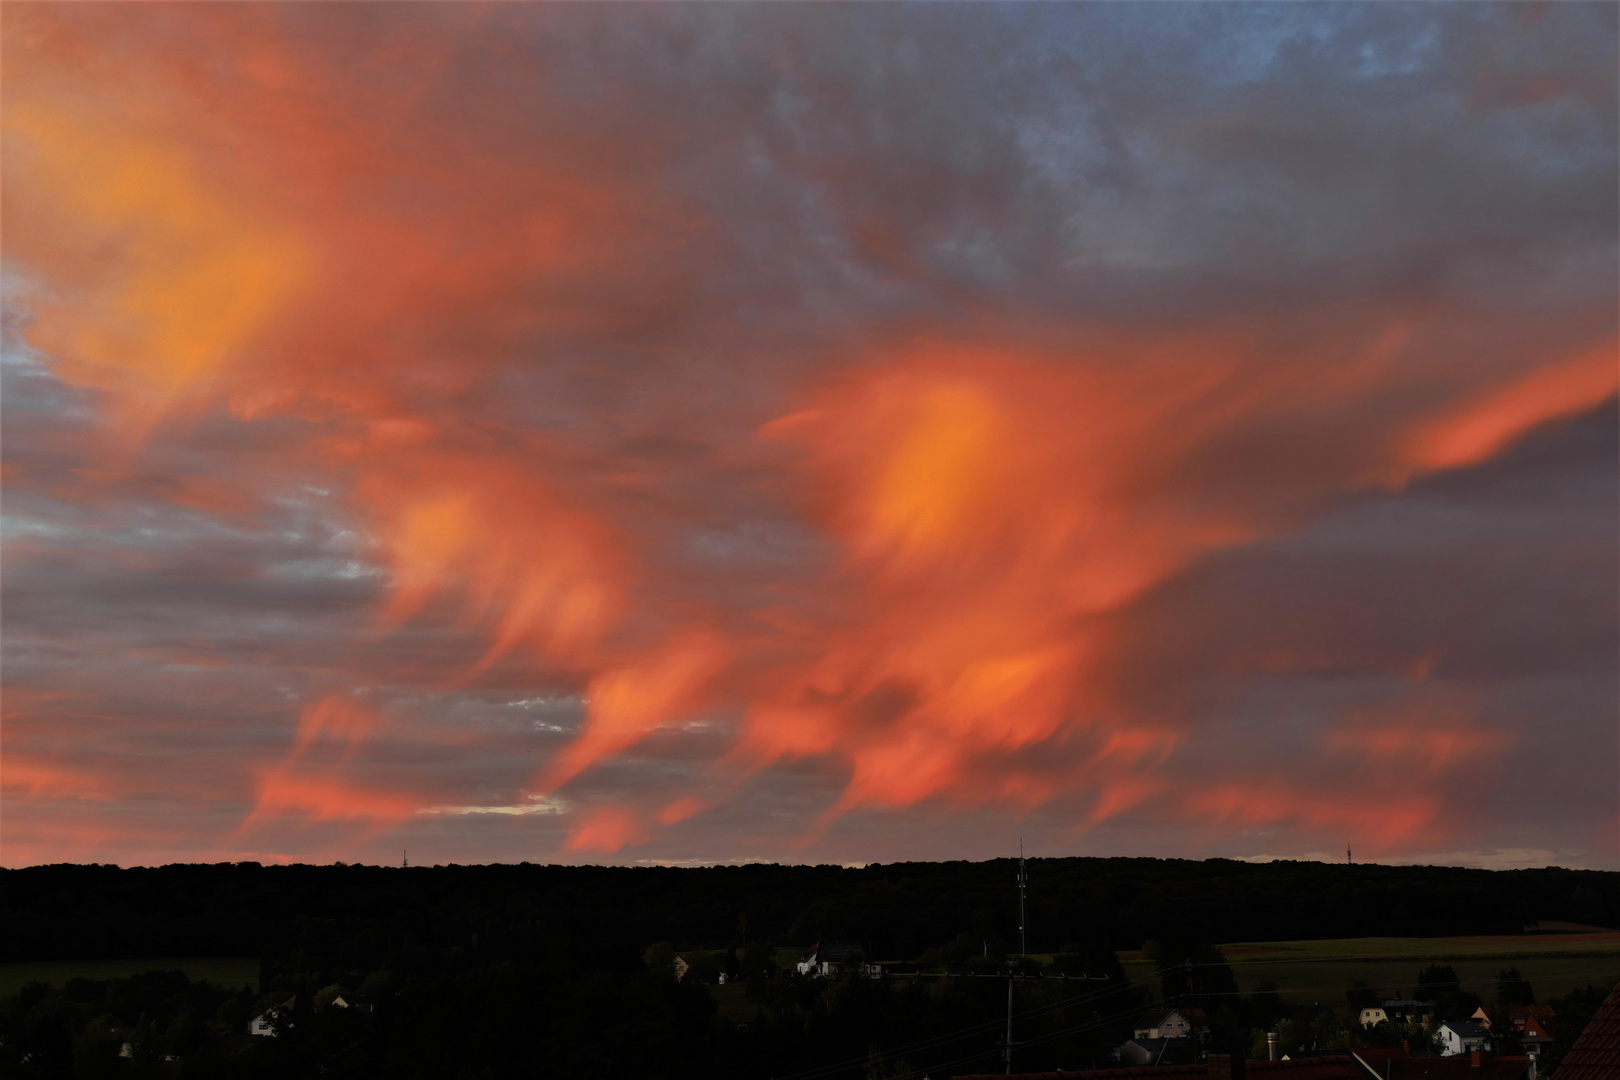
1523 1012
831 951
1468 1029
1533 1029
1376 1058
1316 1068
1155 1017
1458 1067
1596 1054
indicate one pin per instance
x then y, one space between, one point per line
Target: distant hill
898 910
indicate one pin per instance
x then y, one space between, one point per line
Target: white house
1461 1037
1166 1023
264 1023
825 960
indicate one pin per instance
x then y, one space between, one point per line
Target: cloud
735 430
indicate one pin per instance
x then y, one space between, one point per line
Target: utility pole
1023 949
1006 1053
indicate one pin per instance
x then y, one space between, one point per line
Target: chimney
1476 1059
1271 1045
1406 1047
1226 1067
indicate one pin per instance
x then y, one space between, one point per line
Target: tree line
897 910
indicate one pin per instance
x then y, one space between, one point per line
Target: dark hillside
898 910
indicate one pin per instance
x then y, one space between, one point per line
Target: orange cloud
41 777
320 797
498 543
157 280
1390 820
1417 740
629 703
606 830
335 718
1483 426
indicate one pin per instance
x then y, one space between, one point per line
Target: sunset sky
810 433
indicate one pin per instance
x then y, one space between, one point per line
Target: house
825 959
1461 1037
342 1002
1406 1009
1524 1015
1166 1023
1518 1015
1145 1051
1372 1016
1596 1054
264 1023
1535 1039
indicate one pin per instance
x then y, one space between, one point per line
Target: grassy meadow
1310 971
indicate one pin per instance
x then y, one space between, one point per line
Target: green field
233 972
1322 970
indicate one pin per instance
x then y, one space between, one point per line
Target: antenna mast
1023 946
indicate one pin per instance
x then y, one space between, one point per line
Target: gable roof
833 951
1154 1017
1596 1054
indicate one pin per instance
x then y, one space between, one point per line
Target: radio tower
1023 946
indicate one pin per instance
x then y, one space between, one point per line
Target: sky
810 433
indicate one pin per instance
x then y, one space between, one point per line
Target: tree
1360 996
1437 979
1513 989
1267 1002
660 960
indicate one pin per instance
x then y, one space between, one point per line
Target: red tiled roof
1377 1058
1596 1054
1320 1068
1540 1012
1458 1067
